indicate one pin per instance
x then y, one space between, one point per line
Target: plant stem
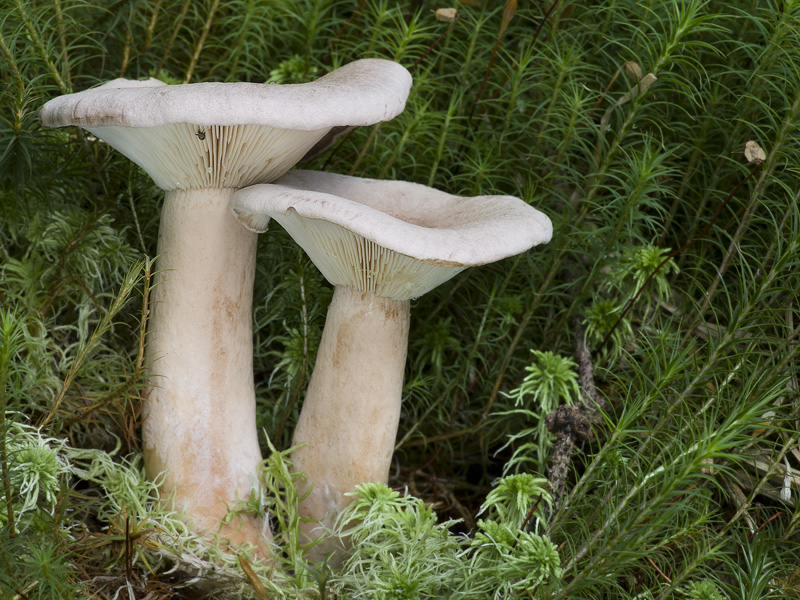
201 42
509 10
38 43
151 26
186 5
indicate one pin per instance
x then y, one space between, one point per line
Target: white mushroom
380 243
200 142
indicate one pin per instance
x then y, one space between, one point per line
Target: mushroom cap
230 134
360 93
394 238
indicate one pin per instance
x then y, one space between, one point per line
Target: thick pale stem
199 426
352 407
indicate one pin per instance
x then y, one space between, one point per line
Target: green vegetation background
625 121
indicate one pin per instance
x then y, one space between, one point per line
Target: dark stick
572 424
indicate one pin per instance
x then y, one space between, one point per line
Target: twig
572 424
740 500
508 14
586 371
128 550
252 577
528 517
764 524
544 20
660 572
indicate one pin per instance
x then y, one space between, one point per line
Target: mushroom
200 142
381 243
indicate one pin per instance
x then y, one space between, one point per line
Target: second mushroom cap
394 238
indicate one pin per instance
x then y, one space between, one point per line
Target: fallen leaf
633 70
754 153
644 83
446 15
253 578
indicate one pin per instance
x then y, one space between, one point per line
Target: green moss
537 100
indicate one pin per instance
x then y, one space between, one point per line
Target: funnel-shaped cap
396 239
230 134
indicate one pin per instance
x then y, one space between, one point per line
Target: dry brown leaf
508 13
446 15
633 70
253 578
754 153
644 83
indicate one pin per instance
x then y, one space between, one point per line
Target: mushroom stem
352 407
199 428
